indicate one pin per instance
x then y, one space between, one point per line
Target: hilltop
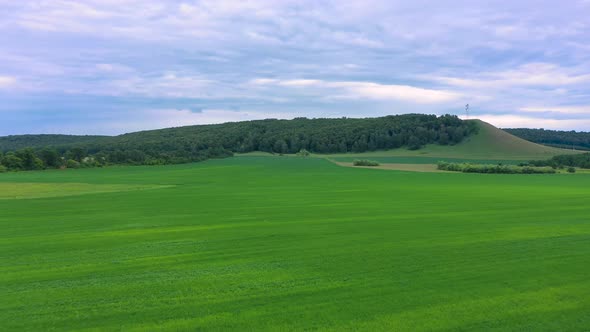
493 141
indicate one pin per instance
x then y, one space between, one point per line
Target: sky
116 66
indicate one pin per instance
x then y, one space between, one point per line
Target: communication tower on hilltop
467 111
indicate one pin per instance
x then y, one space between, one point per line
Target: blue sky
115 66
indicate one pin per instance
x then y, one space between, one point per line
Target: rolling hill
489 143
201 142
424 139
493 142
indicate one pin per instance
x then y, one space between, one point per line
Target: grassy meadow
283 243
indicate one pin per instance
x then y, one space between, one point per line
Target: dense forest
571 160
562 139
196 143
18 142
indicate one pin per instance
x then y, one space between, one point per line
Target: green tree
12 162
280 146
38 164
77 154
50 158
71 163
443 138
303 153
29 159
414 143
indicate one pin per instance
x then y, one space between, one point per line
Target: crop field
283 243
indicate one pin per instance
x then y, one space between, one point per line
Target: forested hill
17 142
194 143
562 139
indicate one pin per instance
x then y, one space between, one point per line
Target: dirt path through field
396 167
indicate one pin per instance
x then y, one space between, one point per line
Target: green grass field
261 243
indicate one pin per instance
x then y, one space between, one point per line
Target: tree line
493 169
19 142
562 139
581 160
197 143
29 159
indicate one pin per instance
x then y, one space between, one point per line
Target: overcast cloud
114 66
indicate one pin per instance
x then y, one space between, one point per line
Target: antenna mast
467 111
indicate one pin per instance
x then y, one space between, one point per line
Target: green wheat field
283 243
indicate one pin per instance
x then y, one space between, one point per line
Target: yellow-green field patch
17 190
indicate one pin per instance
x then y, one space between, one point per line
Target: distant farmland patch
15 190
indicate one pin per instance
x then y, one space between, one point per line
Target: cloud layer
106 66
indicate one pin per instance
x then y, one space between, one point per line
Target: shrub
442 165
303 153
571 169
495 169
3 169
364 162
71 163
12 162
38 164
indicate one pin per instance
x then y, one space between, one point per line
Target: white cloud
165 118
365 90
167 85
501 56
30 65
558 109
532 74
519 121
263 81
113 68
406 93
141 119
93 17
302 83
7 81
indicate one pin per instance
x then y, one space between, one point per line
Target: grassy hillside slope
496 142
490 143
